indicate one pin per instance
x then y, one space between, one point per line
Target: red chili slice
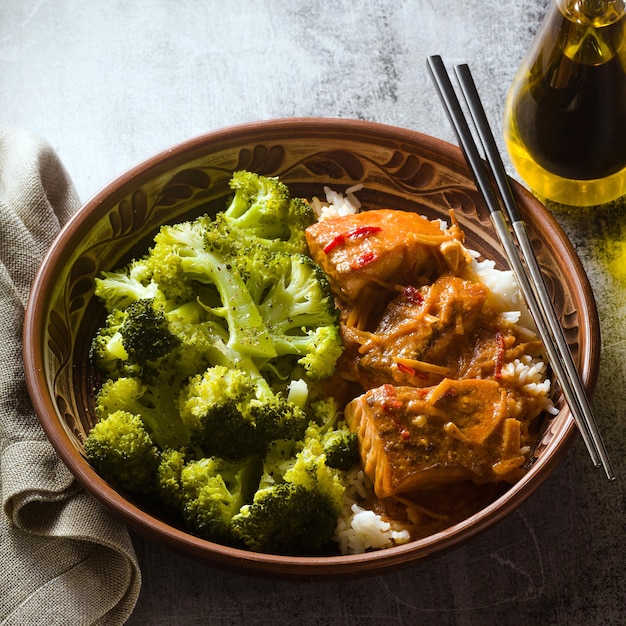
406 369
392 405
412 294
365 259
356 233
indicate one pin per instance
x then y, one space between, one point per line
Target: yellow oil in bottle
565 117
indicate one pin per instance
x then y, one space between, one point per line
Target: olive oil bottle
565 116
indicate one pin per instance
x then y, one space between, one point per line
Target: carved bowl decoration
399 169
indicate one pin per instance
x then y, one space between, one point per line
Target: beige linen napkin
63 560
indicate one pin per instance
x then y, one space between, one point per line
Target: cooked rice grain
358 529
337 204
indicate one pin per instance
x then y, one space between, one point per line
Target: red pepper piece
356 233
406 369
365 259
392 405
412 294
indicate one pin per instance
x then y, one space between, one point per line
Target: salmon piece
442 330
373 251
420 335
427 328
415 439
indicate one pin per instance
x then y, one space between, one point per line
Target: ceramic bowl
400 169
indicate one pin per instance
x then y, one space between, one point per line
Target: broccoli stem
247 331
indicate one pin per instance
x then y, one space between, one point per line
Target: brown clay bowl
400 169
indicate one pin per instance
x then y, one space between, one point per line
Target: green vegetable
192 253
340 444
132 339
154 403
120 288
123 453
214 345
300 316
263 212
233 412
295 508
213 491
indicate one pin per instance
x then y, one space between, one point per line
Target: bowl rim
244 561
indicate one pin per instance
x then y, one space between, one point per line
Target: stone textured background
109 83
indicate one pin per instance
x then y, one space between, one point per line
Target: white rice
505 296
337 204
359 529
529 375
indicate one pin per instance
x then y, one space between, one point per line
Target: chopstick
521 257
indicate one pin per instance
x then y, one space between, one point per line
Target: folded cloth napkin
63 560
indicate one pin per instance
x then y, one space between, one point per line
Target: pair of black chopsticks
522 260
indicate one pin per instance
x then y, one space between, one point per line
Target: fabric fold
64 560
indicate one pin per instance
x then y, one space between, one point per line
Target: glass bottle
565 116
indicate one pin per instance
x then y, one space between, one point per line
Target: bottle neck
594 13
589 32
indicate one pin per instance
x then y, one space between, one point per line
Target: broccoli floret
259 204
295 508
259 266
132 339
156 404
169 487
190 259
287 519
340 444
263 211
122 452
202 344
145 333
107 351
213 491
232 412
214 408
300 315
120 288
301 216
277 417
295 302
321 347
341 448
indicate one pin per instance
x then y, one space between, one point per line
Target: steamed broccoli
155 404
340 444
120 288
213 491
300 316
341 448
263 212
215 410
122 451
233 412
182 252
132 338
168 486
106 351
296 506
145 333
212 345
